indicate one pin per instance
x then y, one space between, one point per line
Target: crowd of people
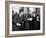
25 21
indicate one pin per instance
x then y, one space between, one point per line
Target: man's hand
29 19
18 24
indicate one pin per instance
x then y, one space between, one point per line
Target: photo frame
24 27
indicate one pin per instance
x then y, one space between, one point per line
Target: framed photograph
24 18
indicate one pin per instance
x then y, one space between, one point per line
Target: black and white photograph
25 18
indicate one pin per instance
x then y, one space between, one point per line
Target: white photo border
25 32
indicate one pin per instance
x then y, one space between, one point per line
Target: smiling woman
25 18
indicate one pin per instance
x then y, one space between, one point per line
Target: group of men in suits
23 21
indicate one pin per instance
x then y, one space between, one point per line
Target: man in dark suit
17 23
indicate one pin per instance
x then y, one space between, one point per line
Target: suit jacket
17 19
